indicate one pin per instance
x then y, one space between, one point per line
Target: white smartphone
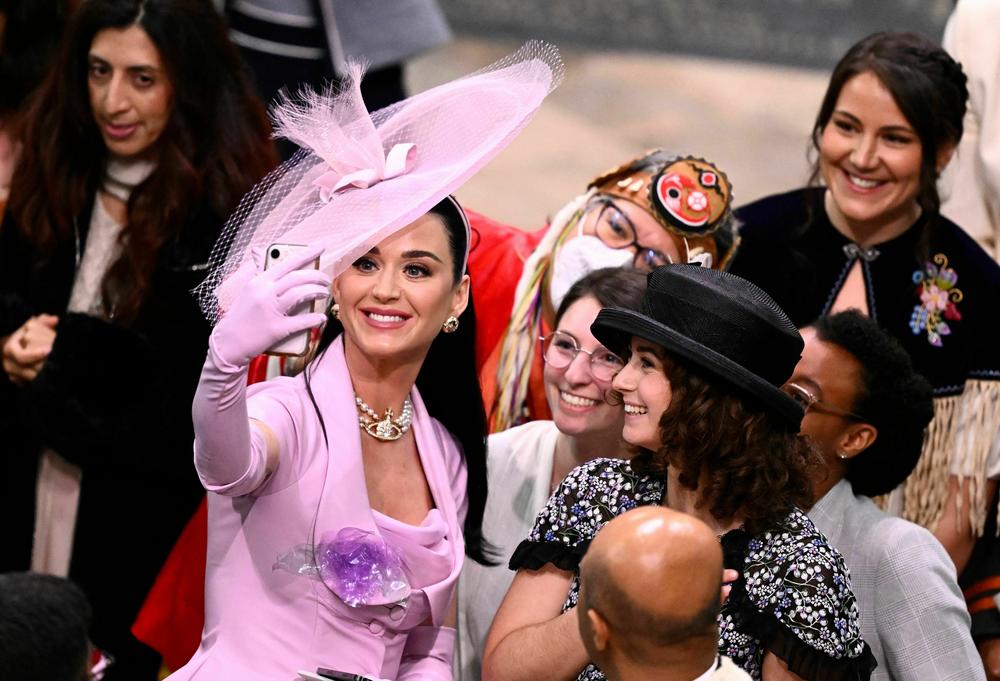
298 343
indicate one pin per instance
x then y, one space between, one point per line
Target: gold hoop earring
450 324
335 310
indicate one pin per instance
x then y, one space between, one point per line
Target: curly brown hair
728 446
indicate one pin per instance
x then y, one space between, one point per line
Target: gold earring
450 324
335 310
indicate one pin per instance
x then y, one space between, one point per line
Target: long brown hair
727 447
927 85
214 148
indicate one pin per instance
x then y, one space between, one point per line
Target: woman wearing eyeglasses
653 210
865 411
715 437
526 463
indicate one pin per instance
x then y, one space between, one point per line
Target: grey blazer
912 612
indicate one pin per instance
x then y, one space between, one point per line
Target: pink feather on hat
360 178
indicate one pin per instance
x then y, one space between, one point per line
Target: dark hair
449 386
30 37
927 85
44 623
890 396
747 465
602 592
611 286
214 148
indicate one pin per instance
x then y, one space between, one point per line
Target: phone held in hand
323 674
297 344
340 676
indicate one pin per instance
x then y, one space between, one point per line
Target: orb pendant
384 430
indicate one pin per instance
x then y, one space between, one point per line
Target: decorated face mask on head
690 196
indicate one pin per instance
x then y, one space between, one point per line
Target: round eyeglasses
615 229
809 401
559 349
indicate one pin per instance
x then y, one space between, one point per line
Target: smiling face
870 158
130 93
832 375
575 396
394 299
645 389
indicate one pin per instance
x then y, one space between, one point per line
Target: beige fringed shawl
963 439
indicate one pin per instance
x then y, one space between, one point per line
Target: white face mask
578 258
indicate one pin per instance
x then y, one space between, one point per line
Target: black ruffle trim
734 548
534 555
802 659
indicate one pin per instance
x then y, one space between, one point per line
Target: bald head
652 577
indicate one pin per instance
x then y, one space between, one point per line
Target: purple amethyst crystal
362 568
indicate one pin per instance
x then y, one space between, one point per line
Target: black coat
790 249
114 399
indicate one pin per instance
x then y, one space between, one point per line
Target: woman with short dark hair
866 410
716 438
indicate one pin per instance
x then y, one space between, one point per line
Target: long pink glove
230 456
427 654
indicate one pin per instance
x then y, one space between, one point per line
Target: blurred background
735 81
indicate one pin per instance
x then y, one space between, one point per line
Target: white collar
711 670
122 175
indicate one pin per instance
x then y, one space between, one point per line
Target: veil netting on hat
359 178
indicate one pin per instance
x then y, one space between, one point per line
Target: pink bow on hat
398 161
339 130
333 192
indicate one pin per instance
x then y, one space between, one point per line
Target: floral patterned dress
793 596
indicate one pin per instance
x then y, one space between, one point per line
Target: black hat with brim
719 323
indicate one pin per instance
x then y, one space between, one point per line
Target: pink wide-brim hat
360 178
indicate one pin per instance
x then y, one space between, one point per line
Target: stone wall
811 33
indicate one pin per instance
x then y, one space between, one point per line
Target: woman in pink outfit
305 479
342 501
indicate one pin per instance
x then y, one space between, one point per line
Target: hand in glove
261 315
231 458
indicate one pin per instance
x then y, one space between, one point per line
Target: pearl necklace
385 429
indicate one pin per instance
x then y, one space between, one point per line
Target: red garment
172 618
495 266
